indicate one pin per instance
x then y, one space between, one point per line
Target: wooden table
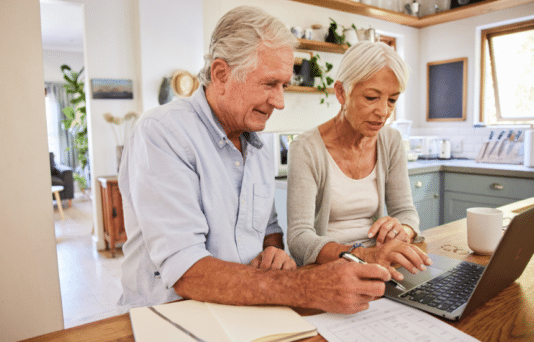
508 316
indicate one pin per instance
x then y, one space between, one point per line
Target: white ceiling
62 26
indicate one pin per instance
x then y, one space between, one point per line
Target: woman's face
371 102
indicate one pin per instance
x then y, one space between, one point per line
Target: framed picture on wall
104 88
447 90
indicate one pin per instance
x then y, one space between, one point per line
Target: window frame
485 41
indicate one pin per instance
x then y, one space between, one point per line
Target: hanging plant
76 120
320 71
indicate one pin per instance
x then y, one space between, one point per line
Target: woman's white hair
237 37
363 59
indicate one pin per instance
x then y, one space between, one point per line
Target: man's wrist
353 247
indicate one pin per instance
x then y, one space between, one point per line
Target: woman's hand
388 228
397 252
273 258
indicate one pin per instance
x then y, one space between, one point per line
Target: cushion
53 170
57 181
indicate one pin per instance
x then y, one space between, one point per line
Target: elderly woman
346 174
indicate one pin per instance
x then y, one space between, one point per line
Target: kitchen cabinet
426 190
114 231
462 191
462 12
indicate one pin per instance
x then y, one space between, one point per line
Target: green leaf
69 112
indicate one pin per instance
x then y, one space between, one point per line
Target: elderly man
198 189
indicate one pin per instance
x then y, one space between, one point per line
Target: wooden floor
89 280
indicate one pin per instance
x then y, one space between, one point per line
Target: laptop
438 289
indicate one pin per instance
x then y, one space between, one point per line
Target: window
507 74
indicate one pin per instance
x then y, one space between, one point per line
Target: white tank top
354 206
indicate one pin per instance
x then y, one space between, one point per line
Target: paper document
386 320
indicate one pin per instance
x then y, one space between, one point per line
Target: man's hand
273 258
397 252
388 228
344 287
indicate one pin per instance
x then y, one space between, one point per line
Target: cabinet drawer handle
496 186
418 184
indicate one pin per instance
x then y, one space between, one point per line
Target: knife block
501 152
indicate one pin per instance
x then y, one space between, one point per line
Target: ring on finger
395 232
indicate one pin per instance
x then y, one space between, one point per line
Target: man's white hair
236 39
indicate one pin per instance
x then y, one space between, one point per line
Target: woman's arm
304 190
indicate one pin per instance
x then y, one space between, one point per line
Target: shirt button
237 163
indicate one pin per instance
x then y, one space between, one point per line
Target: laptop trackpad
413 280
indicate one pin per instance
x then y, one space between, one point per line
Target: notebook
199 321
506 265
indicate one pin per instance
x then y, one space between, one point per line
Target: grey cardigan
308 190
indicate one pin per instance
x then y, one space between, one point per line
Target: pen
352 257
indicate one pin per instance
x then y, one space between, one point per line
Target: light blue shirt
188 193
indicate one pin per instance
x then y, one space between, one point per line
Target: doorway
89 279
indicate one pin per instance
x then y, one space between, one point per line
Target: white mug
308 34
297 31
484 229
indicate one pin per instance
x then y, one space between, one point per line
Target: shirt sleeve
164 189
273 226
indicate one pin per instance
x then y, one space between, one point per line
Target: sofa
62 175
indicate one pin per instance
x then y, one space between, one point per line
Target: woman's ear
340 92
220 73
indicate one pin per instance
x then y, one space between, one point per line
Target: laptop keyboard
449 290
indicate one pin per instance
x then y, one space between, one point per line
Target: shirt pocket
262 206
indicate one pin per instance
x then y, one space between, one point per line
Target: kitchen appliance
405 127
278 143
426 147
445 149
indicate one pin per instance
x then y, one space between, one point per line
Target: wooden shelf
305 44
462 12
300 89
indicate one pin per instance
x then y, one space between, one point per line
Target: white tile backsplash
472 138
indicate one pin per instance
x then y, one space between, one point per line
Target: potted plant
76 121
333 36
350 34
319 71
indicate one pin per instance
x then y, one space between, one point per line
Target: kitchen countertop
470 166
467 166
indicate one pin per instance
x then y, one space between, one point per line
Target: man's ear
220 73
340 92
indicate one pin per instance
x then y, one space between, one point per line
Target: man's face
246 106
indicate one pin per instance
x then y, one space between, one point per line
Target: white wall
53 60
171 34
30 301
456 39
303 111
